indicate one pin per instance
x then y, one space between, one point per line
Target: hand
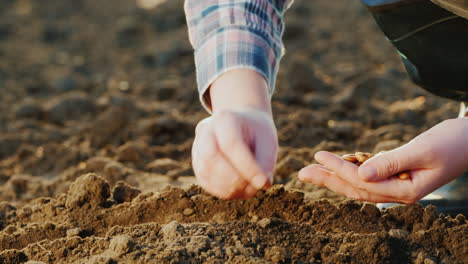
234 152
434 158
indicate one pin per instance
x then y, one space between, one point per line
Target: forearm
233 35
240 89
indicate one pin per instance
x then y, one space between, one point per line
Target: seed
363 156
350 157
404 175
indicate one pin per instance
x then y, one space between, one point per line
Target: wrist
240 89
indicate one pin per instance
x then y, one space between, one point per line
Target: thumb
387 164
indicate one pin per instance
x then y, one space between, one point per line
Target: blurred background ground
109 87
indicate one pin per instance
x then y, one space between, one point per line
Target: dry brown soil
98 107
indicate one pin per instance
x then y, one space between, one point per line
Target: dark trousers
433 43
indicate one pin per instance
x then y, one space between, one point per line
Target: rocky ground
98 108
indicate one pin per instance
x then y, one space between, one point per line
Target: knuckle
391 164
225 116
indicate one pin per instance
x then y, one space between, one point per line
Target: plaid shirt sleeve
232 34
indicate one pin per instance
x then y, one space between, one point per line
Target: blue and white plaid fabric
233 34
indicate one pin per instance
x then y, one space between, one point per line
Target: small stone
163 166
420 258
171 230
429 261
72 106
371 210
315 100
73 232
265 222
188 211
122 192
276 254
130 151
121 245
28 110
231 251
88 188
198 244
34 262
398 233
343 128
108 123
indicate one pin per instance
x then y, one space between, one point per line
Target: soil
97 116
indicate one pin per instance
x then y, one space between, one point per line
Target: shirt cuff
235 34
235 47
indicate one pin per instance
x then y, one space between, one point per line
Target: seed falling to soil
359 158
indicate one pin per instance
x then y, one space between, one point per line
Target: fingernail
367 173
258 181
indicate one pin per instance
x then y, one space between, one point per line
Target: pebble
163 166
28 110
265 222
169 231
130 151
370 210
198 244
70 107
423 258
73 232
121 245
122 192
398 233
315 101
88 188
188 211
276 254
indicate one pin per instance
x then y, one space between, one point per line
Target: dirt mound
89 225
98 108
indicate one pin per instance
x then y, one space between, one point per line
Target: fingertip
320 155
307 174
250 191
302 174
259 181
325 157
